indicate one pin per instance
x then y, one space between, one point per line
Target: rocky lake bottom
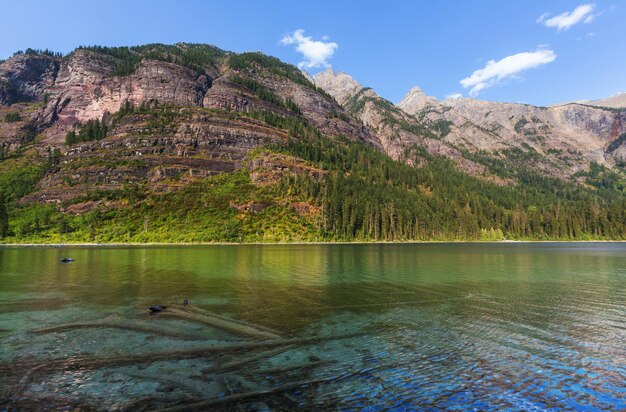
525 326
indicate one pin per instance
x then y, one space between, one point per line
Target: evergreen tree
70 138
4 217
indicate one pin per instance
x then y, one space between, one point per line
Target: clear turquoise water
537 326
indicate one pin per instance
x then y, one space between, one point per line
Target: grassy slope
200 212
206 211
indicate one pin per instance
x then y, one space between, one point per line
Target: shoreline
416 242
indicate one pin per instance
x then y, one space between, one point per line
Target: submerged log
199 389
23 384
135 327
220 323
285 369
116 361
229 366
232 399
226 318
142 404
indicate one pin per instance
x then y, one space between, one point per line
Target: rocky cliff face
195 125
339 85
566 138
320 111
398 131
380 116
201 104
416 100
26 77
85 89
192 144
83 86
558 141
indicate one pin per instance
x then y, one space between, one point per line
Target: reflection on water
468 326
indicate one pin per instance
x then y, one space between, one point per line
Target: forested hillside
189 143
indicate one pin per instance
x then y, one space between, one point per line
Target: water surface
529 326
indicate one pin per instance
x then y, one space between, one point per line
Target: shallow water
528 326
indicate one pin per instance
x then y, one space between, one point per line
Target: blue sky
390 46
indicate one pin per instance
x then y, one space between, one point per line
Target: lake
521 326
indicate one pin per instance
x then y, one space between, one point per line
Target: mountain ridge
615 101
558 133
189 142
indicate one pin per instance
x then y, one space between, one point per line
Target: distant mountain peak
416 100
339 85
416 90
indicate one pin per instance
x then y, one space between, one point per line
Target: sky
526 51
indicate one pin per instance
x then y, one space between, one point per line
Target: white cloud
509 67
541 18
316 53
454 96
588 36
568 19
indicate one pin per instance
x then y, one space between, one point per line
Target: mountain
615 101
191 143
398 131
561 141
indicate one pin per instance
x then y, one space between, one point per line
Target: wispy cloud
589 35
564 21
453 96
316 53
507 68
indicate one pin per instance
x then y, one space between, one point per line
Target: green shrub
12 117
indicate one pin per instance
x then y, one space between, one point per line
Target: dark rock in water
166 387
157 308
67 259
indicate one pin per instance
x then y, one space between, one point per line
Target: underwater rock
166 387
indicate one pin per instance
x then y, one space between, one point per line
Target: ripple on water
487 327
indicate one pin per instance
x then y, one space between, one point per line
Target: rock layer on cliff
192 143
